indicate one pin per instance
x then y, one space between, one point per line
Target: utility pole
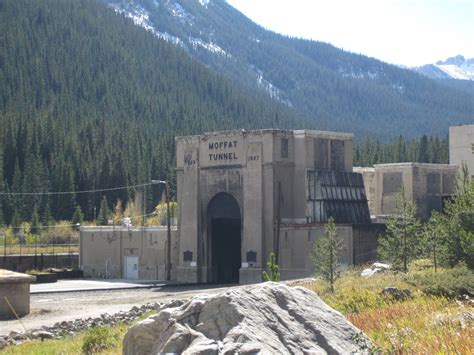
168 224
277 242
168 236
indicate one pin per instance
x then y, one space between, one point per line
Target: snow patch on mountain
452 68
179 12
204 3
138 14
350 73
141 17
211 47
456 72
274 92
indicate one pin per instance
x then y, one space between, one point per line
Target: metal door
131 267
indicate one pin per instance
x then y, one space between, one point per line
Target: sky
403 32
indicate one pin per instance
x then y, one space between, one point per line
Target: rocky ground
59 314
267 318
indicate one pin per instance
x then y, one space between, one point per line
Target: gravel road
49 308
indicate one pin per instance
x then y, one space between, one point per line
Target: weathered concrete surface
267 318
461 146
14 293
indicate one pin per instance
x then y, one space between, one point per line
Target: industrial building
125 252
245 194
461 146
426 184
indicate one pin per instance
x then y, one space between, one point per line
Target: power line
76 192
75 225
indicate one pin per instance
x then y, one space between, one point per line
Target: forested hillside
339 90
90 101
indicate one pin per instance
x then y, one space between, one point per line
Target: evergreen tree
327 253
459 221
47 218
35 222
103 218
16 221
401 242
423 152
78 216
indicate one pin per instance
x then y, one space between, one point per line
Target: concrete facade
461 146
228 187
15 293
426 184
122 252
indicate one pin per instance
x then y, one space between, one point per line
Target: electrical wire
76 192
75 225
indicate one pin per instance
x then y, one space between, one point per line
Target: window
284 148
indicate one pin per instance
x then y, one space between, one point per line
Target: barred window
284 148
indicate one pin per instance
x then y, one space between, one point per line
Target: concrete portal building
243 194
461 146
116 252
426 184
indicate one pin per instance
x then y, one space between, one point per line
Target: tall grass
425 323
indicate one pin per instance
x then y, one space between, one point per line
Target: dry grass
423 324
74 344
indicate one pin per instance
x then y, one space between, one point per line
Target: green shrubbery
450 283
98 339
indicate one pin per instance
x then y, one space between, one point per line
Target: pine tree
78 216
47 217
423 151
326 254
35 222
459 221
103 218
401 242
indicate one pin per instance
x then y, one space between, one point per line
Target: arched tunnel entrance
224 237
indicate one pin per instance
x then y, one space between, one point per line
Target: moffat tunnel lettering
220 146
223 156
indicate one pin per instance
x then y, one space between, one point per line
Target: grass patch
430 322
97 340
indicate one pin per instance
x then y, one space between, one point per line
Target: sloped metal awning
337 194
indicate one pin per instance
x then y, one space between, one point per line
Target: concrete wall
103 251
250 166
22 263
426 184
297 244
368 175
461 146
364 243
15 287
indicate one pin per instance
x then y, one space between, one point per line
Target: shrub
98 339
449 282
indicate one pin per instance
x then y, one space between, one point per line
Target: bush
98 339
449 282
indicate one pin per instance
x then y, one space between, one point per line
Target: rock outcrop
267 318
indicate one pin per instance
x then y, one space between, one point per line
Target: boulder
375 268
268 318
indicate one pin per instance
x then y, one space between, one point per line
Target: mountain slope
88 100
340 90
452 68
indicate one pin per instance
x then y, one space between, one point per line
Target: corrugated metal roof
337 194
